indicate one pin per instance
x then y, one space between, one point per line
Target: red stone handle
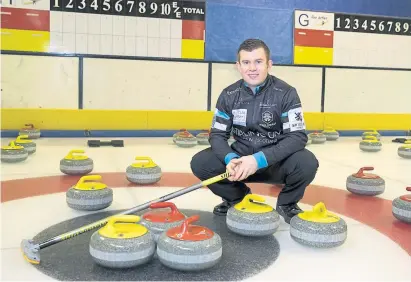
361 171
184 227
408 189
161 205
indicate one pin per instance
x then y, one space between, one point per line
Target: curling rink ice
371 252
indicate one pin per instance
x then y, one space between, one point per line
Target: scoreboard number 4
372 25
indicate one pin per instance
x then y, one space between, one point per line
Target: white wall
144 85
367 91
39 82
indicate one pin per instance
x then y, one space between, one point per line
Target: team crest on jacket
267 118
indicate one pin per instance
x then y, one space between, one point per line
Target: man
265 116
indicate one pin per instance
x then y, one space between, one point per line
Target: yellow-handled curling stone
122 243
404 151
189 247
30 249
317 137
158 220
75 163
30 131
13 153
143 172
368 184
89 194
401 207
29 145
331 134
318 228
252 217
370 144
373 133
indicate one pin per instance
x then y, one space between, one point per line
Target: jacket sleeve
294 137
220 131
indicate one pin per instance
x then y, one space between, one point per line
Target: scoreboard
322 38
149 28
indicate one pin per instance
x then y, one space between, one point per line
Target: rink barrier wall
75 120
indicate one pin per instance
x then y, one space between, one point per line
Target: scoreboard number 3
372 25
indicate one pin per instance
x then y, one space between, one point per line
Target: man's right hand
231 168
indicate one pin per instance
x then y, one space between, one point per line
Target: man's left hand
246 166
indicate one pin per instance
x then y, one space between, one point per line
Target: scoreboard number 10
372 24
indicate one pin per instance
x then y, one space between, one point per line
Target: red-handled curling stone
401 207
365 183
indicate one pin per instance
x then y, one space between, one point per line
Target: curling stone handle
89 178
407 142
253 197
148 159
12 144
187 222
20 137
72 152
29 126
408 189
122 218
320 209
160 205
361 171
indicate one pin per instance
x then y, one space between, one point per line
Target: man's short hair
252 44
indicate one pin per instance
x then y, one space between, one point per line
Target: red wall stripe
313 38
25 19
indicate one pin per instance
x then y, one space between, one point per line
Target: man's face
254 66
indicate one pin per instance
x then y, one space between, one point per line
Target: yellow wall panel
313 55
25 40
361 121
192 49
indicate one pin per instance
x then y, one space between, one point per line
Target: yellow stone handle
320 210
246 201
123 219
148 159
408 142
72 152
20 137
371 138
81 184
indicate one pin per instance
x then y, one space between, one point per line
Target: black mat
70 260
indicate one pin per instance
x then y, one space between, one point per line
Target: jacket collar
260 87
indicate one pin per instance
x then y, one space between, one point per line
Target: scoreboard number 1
371 24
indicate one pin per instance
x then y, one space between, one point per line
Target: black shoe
288 211
222 208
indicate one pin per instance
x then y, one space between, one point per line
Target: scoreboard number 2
370 24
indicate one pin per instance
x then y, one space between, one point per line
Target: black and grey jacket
268 124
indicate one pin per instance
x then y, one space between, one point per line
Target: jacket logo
267 117
298 116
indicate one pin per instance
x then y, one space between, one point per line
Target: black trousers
296 172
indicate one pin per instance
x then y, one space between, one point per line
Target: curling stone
13 153
401 207
189 247
372 133
404 151
30 131
202 138
29 145
318 228
185 140
251 217
158 221
368 184
183 130
370 144
331 134
122 243
143 172
89 196
76 164
317 138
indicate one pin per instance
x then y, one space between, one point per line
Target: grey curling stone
331 135
365 183
89 196
401 207
189 247
76 165
370 145
404 151
13 153
29 145
318 228
122 243
250 218
145 172
317 138
368 134
185 140
180 132
202 138
159 221
30 131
